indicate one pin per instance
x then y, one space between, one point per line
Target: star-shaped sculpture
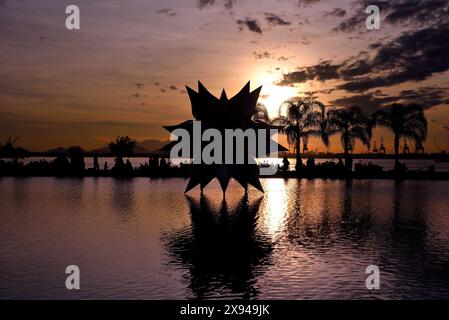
221 114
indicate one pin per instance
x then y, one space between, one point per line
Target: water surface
144 239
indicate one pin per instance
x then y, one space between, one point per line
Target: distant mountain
105 151
151 144
145 146
59 150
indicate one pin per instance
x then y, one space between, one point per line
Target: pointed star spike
207 176
251 102
256 92
193 182
256 184
252 176
192 93
247 86
242 93
198 109
224 174
203 91
223 96
241 180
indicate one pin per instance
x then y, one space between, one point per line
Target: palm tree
300 120
122 146
261 113
405 122
352 125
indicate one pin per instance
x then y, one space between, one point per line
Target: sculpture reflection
222 249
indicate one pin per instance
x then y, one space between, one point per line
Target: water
386 164
144 239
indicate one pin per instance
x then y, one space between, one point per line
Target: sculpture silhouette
223 249
222 114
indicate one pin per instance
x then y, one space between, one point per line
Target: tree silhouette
76 155
352 125
300 120
122 146
405 122
7 150
261 113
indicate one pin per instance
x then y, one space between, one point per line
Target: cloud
157 84
413 56
262 55
306 3
294 77
275 20
446 127
321 72
367 102
337 12
139 85
427 97
227 4
173 87
251 24
405 12
282 58
167 12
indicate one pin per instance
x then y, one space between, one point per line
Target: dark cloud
337 12
305 3
275 20
139 85
136 95
294 77
173 87
157 84
227 4
367 102
446 127
262 55
404 12
282 58
163 90
251 24
413 56
321 72
427 97
168 12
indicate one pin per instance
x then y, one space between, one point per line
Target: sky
125 71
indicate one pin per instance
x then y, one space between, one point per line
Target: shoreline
385 175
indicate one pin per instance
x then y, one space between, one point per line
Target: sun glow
276 209
272 96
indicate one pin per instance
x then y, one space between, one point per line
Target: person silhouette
285 164
128 166
105 166
96 165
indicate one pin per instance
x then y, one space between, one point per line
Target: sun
272 96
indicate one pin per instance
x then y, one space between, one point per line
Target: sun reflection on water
276 206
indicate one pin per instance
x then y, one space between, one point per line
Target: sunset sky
124 72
